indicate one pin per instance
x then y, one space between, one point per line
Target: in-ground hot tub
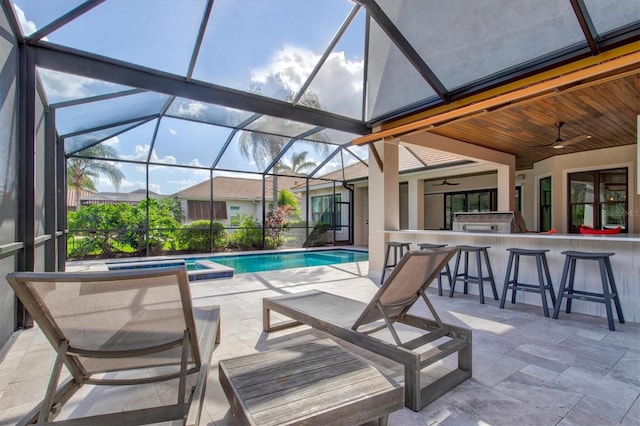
200 270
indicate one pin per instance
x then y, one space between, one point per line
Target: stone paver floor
527 369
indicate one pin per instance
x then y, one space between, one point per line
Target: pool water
276 261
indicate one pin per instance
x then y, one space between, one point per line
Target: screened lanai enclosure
204 110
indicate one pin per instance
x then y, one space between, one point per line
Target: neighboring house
231 197
133 197
331 202
72 203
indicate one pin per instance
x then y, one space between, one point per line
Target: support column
416 203
384 211
26 159
506 187
50 192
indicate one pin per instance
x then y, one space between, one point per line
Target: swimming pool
224 266
252 262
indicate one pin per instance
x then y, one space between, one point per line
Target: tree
82 172
265 148
286 198
299 162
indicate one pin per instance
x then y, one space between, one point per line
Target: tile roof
228 187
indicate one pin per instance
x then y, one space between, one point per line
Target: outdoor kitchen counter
625 263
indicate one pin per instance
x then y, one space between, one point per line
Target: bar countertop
558 236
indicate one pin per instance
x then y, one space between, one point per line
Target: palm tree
82 172
299 162
264 148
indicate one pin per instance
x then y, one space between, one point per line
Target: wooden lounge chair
369 325
138 326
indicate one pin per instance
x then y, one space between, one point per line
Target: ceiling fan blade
575 140
446 183
563 143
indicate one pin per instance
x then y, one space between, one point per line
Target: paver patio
527 369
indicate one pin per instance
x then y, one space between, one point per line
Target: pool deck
527 369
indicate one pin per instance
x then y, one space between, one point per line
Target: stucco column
506 187
384 211
416 203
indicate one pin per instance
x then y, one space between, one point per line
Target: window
598 199
469 201
322 208
545 204
518 202
197 210
234 212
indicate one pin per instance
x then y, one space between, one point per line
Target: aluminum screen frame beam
74 62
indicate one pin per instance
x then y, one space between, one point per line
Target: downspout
147 212
264 214
211 212
351 212
308 198
333 213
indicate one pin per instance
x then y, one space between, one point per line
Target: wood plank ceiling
606 111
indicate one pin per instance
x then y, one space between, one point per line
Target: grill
497 222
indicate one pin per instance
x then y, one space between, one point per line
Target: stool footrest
587 295
533 288
471 279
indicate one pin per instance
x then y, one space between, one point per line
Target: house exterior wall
9 175
246 207
341 234
560 166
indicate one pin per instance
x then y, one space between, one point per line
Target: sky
272 45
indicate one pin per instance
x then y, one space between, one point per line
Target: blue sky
272 44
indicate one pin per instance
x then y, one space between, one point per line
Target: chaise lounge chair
369 325
138 326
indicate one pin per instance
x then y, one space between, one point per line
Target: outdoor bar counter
625 263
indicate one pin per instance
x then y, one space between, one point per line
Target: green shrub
196 236
248 234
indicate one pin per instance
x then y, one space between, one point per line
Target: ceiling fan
445 182
560 143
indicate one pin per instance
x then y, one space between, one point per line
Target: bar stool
514 285
464 276
609 290
446 272
395 245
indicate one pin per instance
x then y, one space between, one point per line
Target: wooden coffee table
317 382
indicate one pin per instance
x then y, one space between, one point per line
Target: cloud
191 109
60 86
338 84
173 132
28 27
112 142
